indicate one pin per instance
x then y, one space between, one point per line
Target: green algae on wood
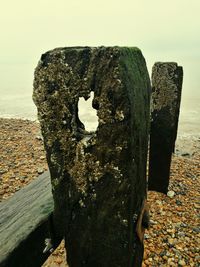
25 224
99 178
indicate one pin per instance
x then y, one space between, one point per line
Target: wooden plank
24 224
99 178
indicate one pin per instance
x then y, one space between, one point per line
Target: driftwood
25 223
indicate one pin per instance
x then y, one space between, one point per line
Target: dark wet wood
98 179
166 97
25 222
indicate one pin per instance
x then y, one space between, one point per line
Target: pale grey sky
163 30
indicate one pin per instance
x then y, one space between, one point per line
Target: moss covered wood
98 178
25 223
167 80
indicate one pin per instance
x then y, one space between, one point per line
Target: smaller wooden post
167 80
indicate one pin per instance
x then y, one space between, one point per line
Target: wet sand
173 238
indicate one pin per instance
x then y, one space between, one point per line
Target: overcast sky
163 30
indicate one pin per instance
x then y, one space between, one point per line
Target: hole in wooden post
87 114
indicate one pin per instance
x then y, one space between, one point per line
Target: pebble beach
173 238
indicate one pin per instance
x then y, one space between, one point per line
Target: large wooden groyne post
98 178
167 80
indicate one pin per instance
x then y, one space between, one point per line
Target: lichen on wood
98 178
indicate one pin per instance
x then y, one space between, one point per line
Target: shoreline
183 140
194 129
10 117
173 238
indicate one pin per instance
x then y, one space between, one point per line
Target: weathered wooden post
167 80
98 178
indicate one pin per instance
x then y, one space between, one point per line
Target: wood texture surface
24 224
167 80
98 178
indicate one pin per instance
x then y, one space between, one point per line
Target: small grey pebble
40 171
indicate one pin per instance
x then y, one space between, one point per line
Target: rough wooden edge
25 222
